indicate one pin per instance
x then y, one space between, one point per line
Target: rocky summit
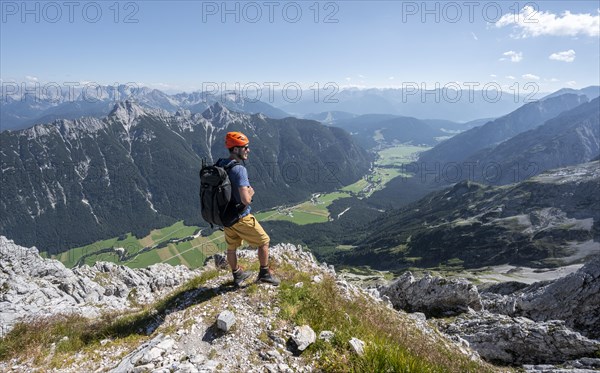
110 318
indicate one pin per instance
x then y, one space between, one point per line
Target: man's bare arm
246 193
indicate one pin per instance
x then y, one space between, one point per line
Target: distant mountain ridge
460 104
375 129
329 117
525 118
70 183
572 137
25 111
591 92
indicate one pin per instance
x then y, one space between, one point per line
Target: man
247 227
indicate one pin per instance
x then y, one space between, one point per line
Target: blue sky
179 45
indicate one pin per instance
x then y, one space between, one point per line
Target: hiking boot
239 276
267 277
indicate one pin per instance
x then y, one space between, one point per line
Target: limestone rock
357 345
34 286
303 336
518 340
434 296
225 320
326 335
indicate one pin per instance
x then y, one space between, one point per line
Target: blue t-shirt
238 175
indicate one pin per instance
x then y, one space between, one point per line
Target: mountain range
458 104
128 161
550 219
22 108
73 182
371 130
570 138
554 132
527 117
23 111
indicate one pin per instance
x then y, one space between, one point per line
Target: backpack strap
231 165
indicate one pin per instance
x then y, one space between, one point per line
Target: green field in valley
313 211
398 155
387 166
159 246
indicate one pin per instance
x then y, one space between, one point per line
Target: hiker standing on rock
247 228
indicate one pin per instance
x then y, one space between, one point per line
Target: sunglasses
244 147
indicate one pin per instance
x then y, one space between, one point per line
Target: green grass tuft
393 343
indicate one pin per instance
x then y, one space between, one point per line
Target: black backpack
216 201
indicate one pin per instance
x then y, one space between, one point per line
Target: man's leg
233 242
232 258
251 231
263 255
265 275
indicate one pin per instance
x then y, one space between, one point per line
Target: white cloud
493 75
565 56
571 83
355 86
514 56
31 78
160 85
530 77
510 77
348 78
361 76
391 78
532 23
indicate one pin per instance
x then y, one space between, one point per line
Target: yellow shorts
247 229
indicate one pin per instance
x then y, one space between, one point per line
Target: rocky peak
70 129
220 115
126 112
215 110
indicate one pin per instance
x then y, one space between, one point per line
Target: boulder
357 345
434 296
303 336
225 320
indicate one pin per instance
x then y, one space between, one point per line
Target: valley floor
504 273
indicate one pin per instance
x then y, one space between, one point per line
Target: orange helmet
233 139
